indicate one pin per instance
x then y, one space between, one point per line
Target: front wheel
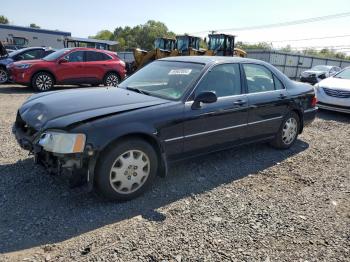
111 79
3 75
42 82
288 132
126 170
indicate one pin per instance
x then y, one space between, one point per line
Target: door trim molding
221 129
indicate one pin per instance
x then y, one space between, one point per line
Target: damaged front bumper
78 168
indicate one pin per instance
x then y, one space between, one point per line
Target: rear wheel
42 82
288 133
3 75
126 170
111 79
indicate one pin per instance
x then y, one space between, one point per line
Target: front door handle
283 96
239 102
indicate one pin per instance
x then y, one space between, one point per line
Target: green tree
4 20
287 48
32 25
140 36
261 45
103 35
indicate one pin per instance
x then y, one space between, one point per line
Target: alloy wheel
3 76
112 80
44 82
129 171
289 131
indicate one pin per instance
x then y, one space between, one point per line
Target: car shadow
38 209
333 115
15 89
18 89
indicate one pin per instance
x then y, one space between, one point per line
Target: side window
259 78
96 56
31 54
223 79
77 56
278 83
105 57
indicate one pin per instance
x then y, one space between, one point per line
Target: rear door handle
239 102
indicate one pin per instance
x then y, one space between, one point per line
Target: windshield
320 68
216 43
345 74
53 56
14 53
169 45
164 79
182 43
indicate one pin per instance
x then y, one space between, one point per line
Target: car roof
328 66
89 49
33 48
210 59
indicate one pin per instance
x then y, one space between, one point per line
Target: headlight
23 66
63 143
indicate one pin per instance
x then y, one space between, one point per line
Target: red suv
69 66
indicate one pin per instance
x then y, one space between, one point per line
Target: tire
4 77
116 180
111 79
288 132
43 82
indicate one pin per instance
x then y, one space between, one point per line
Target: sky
84 18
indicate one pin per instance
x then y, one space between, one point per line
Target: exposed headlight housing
62 143
23 66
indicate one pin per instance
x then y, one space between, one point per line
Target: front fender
100 138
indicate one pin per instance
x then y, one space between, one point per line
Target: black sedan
119 139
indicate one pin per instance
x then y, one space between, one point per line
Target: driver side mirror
206 97
63 60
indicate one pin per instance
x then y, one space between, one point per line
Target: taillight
313 101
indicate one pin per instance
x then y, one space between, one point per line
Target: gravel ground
252 203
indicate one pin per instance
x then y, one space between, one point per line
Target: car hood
311 72
28 62
336 83
59 109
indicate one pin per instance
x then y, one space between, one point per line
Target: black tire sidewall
35 78
108 157
278 141
107 75
7 75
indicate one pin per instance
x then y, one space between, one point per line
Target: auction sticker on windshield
184 71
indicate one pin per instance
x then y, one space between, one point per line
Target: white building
21 36
27 36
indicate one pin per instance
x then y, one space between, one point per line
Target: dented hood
59 109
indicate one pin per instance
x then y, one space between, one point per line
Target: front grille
337 93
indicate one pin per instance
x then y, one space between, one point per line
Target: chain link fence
292 64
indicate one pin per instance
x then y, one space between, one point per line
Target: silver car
317 73
333 93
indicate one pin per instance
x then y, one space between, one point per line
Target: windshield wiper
138 90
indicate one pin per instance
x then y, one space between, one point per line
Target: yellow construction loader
187 45
223 45
163 47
